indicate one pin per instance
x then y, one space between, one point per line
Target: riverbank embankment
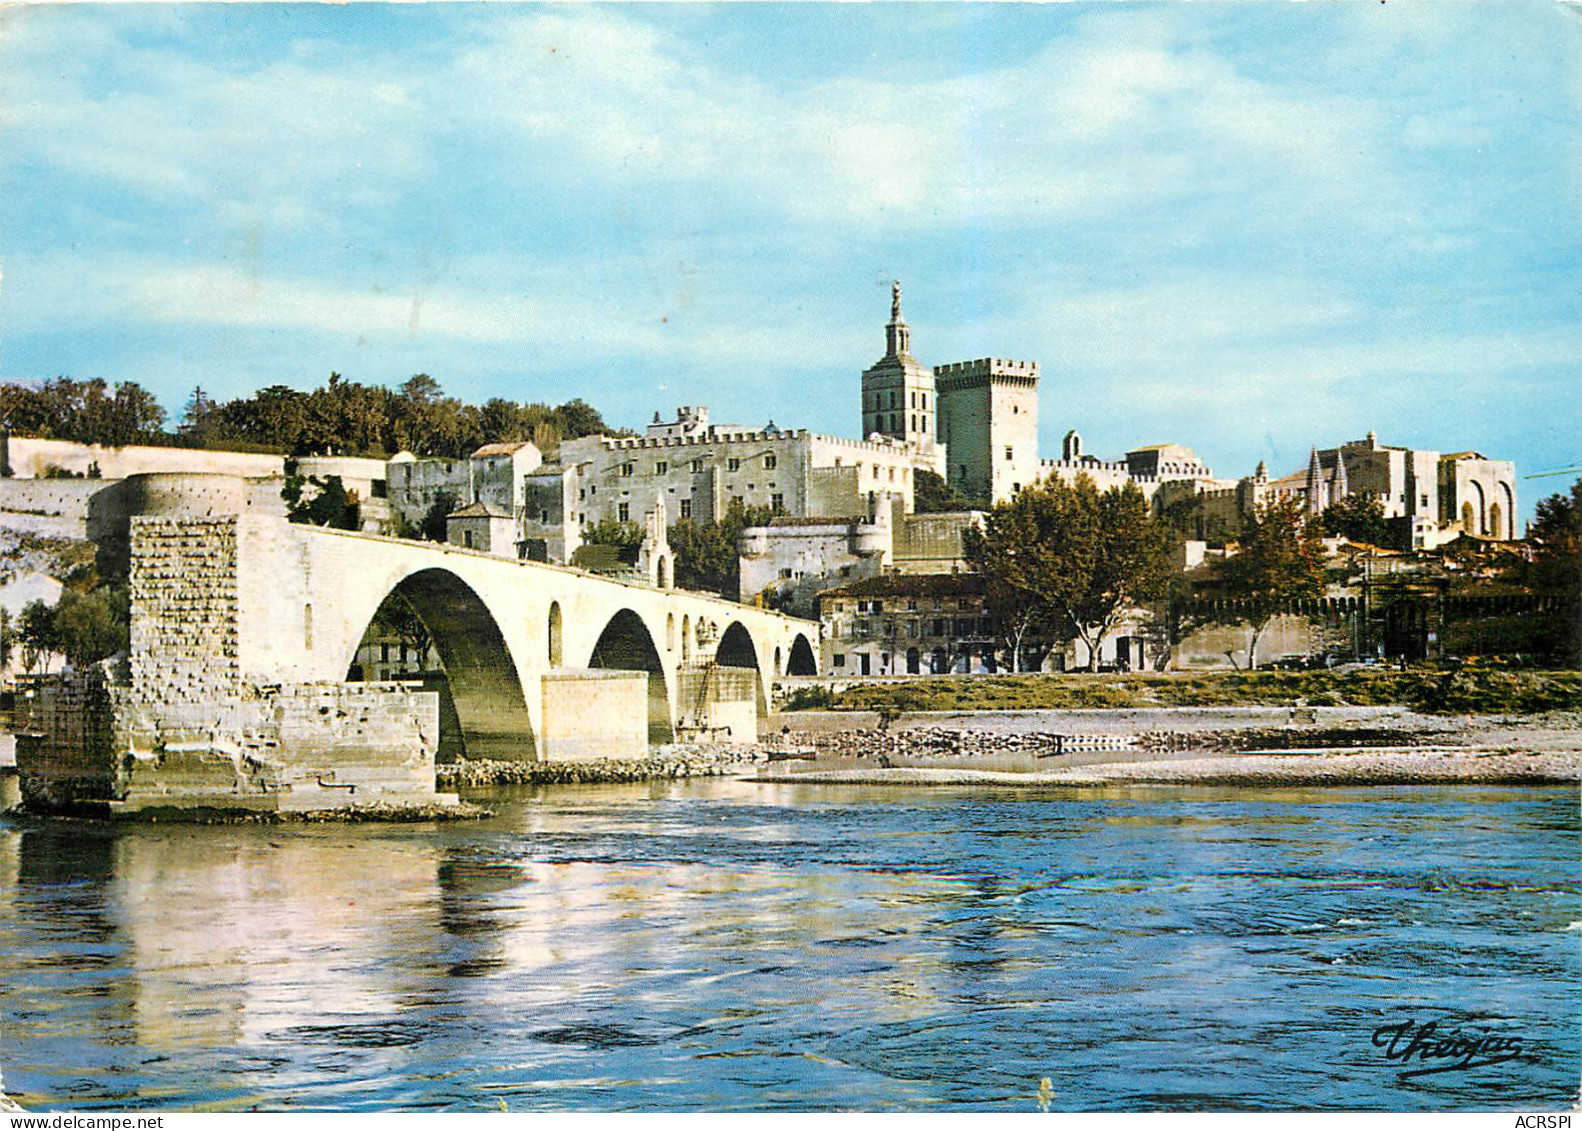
1211 746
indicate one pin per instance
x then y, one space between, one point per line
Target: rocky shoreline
1352 767
666 763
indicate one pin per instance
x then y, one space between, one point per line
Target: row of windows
662 467
918 400
916 627
894 422
964 604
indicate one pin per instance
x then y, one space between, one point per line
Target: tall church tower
898 391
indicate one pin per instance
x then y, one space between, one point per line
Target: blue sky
1246 228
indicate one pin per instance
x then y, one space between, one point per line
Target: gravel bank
1331 767
666 763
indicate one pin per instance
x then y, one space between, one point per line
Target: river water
726 945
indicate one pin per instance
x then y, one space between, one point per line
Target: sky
1247 228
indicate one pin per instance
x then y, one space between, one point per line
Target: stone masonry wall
184 611
65 743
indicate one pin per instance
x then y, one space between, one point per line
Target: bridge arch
627 645
802 661
484 683
737 650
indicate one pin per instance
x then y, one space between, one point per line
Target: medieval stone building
1436 497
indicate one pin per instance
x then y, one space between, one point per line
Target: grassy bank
1466 691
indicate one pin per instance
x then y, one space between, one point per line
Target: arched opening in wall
1508 509
434 631
557 638
626 645
1496 520
736 650
664 571
670 632
779 670
686 638
914 661
1482 510
803 661
1467 518
941 661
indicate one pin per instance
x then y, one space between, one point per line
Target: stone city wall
54 508
26 457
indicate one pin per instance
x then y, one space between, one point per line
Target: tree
89 627
36 631
433 527
932 495
1063 557
1556 569
135 415
578 418
706 554
198 421
1016 578
1280 561
397 618
1358 518
329 503
611 532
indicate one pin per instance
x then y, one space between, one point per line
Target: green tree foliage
340 417
199 423
932 495
1280 561
1065 560
609 547
84 628
35 631
611 532
328 503
706 554
433 527
88 627
1556 569
1359 518
87 412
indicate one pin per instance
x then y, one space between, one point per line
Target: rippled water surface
728 945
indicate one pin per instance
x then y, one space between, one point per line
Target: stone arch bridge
223 603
